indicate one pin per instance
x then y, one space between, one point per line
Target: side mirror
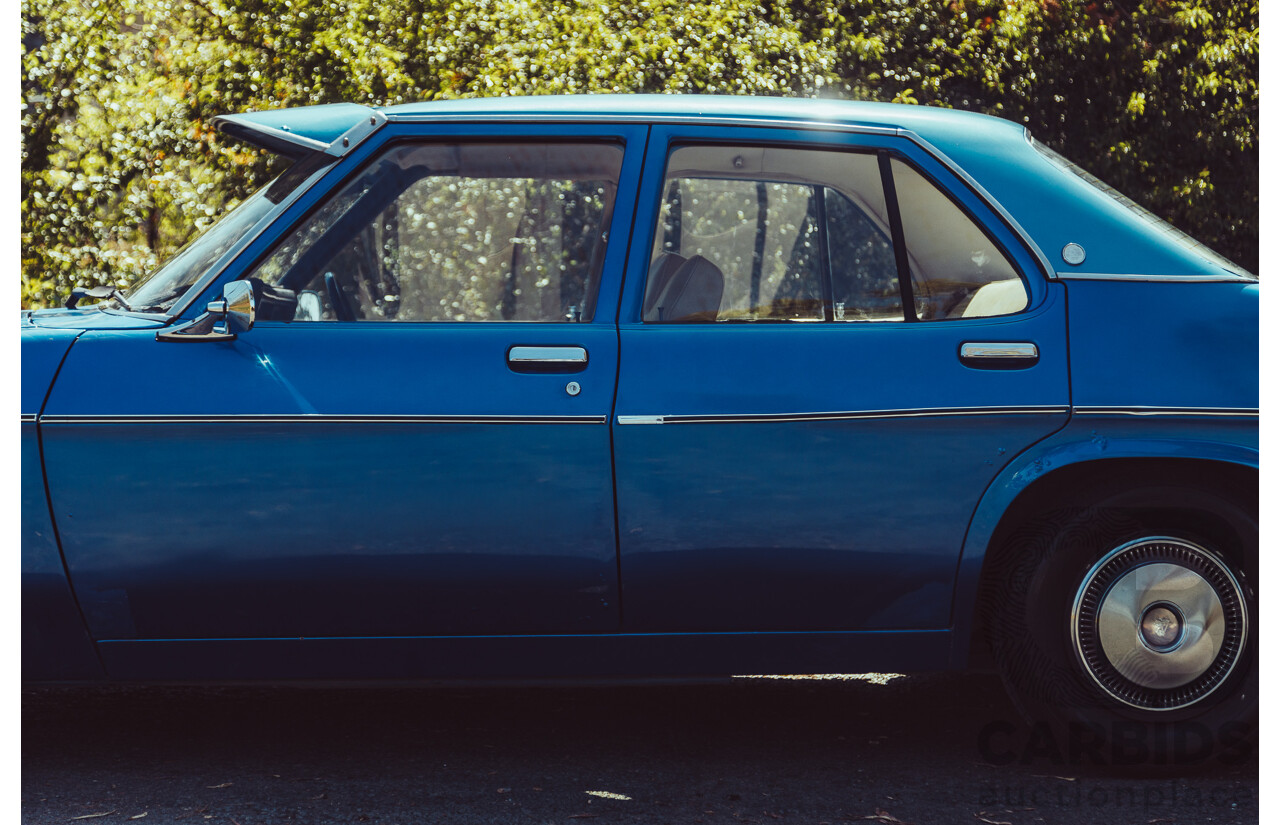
223 319
236 307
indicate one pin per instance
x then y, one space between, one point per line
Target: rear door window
761 233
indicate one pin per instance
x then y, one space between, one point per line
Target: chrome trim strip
927 412
547 355
1184 279
1222 412
316 418
30 418
552 119
999 350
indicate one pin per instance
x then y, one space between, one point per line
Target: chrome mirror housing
236 306
223 319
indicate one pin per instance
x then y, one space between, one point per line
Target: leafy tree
120 167
1158 98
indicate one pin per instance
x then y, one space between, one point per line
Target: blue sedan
622 386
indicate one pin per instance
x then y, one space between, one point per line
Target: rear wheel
1159 623
1127 629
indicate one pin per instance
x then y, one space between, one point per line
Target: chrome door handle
547 358
1002 355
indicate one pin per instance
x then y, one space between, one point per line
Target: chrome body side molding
1218 412
838 416
312 418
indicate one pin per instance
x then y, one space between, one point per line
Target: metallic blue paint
802 526
42 354
91 317
55 646
811 524
1204 335
307 528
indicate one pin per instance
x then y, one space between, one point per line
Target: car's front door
826 358
412 439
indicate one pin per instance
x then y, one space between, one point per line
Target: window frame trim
898 237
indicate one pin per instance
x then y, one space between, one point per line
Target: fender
43 351
55 643
1089 438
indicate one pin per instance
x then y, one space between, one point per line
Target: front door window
454 232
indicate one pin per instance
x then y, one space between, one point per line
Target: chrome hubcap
1159 623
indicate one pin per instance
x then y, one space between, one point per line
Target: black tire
1043 626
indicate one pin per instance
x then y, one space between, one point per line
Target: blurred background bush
120 168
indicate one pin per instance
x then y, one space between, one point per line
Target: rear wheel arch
1083 483
1060 533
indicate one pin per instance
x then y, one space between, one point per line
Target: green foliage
1159 98
120 167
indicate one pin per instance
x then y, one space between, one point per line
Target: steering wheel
337 299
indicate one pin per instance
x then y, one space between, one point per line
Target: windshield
1174 234
161 289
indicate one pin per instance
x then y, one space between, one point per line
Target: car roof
316 127
656 108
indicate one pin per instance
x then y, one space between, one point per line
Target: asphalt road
914 750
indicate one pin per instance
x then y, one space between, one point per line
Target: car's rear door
794 450
420 448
